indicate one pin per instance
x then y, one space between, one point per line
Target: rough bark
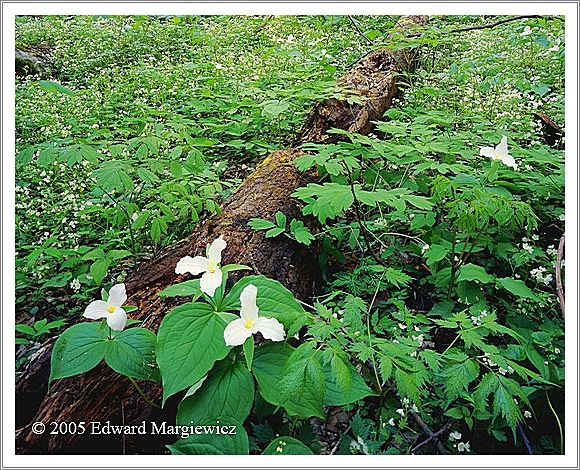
28 63
552 133
101 395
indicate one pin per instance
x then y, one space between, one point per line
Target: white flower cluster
281 445
460 446
476 320
540 275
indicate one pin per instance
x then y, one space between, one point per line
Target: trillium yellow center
248 324
212 267
111 309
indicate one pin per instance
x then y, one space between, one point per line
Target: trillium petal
96 310
236 333
117 295
214 252
508 160
117 319
249 310
488 152
270 328
209 282
195 266
502 149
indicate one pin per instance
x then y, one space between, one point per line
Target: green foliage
81 347
185 332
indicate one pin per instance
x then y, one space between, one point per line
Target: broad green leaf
78 349
472 272
49 85
227 391
189 342
286 445
214 439
436 253
132 353
99 270
273 299
517 287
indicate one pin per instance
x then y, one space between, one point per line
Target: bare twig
433 436
559 287
483 26
352 20
427 430
338 442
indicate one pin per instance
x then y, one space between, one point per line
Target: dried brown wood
102 395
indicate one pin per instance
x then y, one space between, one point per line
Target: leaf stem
142 393
558 421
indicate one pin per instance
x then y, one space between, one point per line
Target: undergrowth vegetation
438 232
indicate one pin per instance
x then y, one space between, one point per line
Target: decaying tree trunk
102 395
27 63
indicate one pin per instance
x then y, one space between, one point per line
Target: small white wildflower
392 421
75 284
455 435
463 447
526 32
401 411
402 327
527 414
424 249
557 350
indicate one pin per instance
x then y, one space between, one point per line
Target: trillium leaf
132 353
286 445
78 349
210 442
228 391
273 299
189 342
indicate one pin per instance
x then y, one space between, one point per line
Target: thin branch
559 287
525 439
483 26
352 20
432 437
426 429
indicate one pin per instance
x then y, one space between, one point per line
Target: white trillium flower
500 152
209 266
111 309
250 323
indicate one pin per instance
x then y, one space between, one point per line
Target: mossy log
102 395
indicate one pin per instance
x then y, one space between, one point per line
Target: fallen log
101 395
